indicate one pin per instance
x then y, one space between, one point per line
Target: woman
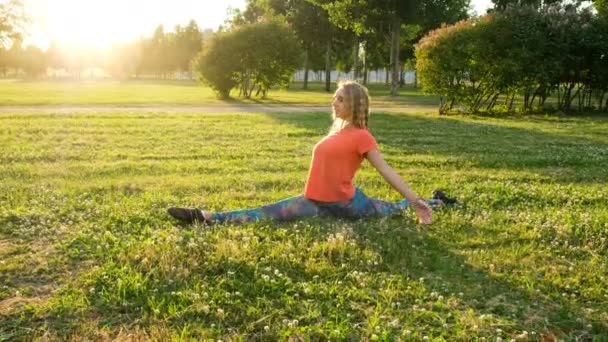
329 189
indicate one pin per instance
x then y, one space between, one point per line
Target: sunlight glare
99 24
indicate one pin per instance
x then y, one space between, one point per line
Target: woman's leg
287 209
363 206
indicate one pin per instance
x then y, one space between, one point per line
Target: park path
221 108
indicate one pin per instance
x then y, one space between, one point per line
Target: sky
99 23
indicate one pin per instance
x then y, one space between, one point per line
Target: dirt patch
10 305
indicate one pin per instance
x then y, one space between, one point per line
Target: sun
101 23
90 24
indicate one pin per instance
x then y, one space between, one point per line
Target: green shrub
252 56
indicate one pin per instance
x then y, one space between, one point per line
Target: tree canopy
250 56
12 21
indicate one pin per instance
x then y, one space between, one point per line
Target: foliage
34 62
12 21
259 55
381 19
520 50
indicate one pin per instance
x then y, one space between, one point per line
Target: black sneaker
188 215
440 195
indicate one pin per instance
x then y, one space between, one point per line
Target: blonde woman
329 190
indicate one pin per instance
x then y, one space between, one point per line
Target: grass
146 93
87 251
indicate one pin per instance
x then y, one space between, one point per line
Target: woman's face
339 105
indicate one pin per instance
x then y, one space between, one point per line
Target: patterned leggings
299 206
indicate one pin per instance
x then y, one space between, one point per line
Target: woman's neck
340 124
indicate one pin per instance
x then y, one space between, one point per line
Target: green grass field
87 251
150 92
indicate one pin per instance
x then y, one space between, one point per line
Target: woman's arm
375 158
423 211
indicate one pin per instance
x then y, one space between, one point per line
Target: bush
521 50
253 56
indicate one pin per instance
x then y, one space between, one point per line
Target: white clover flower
266 328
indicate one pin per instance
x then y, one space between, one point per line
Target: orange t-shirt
335 159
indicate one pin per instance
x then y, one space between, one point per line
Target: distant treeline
161 55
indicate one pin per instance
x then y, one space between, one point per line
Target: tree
601 6
316 34
258 55
55 56
385 17
34 62
521 50
12 21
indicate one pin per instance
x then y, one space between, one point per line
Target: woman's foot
440 195
189 215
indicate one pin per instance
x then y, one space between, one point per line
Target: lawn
188 93
87 251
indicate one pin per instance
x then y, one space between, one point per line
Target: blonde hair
357 100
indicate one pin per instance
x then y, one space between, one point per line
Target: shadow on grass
405 252
523 306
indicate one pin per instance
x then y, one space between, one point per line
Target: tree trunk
568 99
601 100
305 85
396 28
386 76
328 66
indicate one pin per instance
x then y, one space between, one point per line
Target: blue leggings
299 206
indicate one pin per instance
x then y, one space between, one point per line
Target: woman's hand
423 211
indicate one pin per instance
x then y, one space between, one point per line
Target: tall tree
311 24
12 21
385 17
187 42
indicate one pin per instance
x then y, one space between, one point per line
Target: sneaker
188 215
440 195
